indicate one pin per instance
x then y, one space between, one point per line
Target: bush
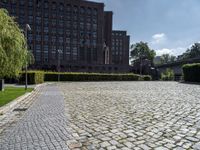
146 78
53 76
168 75
34 77
191 72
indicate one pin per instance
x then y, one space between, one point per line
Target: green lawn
11 93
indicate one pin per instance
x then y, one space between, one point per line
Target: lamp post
59 51
27 28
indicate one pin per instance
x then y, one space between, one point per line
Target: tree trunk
1 84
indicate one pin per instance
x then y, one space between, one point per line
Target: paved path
109 116
134 115
43 126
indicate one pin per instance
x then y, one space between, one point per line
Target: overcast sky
169 26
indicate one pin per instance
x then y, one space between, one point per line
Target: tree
142 56
192 52
167 58
13 47
141 50
167 75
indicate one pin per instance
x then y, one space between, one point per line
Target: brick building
81 30
120 47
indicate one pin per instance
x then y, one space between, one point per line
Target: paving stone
40 122
109 115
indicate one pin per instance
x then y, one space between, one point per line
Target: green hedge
52 76
34 77
191 72
146 78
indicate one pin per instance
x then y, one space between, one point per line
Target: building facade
77 33
120 47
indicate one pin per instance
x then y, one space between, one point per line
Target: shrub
34 77
168 75
191 72
147 78
53 76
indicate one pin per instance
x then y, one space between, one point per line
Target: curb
16 101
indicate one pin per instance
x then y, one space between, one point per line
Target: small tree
142 50
141 54
168 75
13 48
167 58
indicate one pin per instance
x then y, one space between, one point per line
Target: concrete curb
13 103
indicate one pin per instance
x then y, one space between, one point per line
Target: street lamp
27 28
59 51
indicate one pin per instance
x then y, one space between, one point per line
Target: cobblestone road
133 115
43 125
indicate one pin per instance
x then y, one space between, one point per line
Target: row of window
62 40
65 56
60 7
118 34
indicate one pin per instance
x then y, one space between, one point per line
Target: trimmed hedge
34 77
146 77
191 72
53 76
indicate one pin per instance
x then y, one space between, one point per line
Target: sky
169 26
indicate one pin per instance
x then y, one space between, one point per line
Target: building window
53 39
68 8
75 9
53 22
46 21
38 38
61 8
89 11
38 29
30 37
38 3
68 24
53 30
61 39
21 2
21 12
38 20
38 53
82 10
68 40
60 31
68 33
46 38
54 5
13 2
68 52
46 5
95 12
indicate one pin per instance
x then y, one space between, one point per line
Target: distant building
80 29
120 47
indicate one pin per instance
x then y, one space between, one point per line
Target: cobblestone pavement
43 126
133 115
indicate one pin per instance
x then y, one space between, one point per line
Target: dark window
30 3
46 4
54 5
21 2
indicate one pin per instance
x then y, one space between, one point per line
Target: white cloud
164 51
173 51
159 38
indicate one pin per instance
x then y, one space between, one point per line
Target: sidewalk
42 126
